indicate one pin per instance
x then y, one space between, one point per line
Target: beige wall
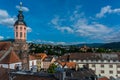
46 65
19 29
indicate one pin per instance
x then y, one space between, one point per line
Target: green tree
51 69
101 50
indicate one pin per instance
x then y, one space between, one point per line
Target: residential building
104 64
84 48
8 58
47 62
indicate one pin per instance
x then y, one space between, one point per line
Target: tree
101 50
52 68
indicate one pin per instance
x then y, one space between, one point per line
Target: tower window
16 27
24 28
24 35
20 34
20 28
16 34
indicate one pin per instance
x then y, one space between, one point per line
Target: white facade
32 63
10 66
103 68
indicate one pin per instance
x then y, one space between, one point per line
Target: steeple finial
20 16
20 6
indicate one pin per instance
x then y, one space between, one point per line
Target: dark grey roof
91 56
48 59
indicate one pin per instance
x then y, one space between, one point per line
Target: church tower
20 45
20 26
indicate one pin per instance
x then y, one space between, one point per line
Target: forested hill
113 45
91 45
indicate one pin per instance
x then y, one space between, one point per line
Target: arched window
24 35
24 28
21 28
20 34
16 27
16 34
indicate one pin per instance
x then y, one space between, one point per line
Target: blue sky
63 21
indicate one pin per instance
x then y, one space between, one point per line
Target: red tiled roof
5 45
2 53
31 57
68 64
10 58
71 64
103 78
91 56
41 56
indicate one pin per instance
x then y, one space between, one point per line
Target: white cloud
63 29
107 10
7 22
23 8
1 37
58 25
29 29
3 14
49 42
92 30
55 43
78 24
113 36
55 20
6 19
61 43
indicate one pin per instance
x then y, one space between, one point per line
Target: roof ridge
6 53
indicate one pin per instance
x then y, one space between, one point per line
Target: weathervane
20 6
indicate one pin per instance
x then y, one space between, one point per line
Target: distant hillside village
20 60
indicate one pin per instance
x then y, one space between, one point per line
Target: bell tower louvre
20 46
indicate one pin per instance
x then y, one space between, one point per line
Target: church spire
20 16
20 25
